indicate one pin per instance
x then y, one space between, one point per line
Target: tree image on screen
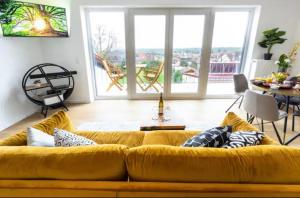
28 19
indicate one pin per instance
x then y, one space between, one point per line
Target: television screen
28 19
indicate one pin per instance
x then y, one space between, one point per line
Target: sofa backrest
128 138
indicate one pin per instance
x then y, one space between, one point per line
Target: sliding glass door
150 42
184 53
186 44
107 40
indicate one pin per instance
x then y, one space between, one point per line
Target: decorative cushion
36 137
65 139
239 124
243 138
214 137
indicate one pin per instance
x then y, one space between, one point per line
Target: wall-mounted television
23 19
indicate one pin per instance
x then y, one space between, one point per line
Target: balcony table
288 93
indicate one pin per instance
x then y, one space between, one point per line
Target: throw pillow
65 139
214 137
243 138
36 137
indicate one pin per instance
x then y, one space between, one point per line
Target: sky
229 29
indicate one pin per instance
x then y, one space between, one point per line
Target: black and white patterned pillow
243 138
214 137
66 139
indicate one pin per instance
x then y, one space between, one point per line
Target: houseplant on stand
283 63
271 37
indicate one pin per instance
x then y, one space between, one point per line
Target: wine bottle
161 106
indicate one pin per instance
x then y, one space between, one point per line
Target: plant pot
282 69
268 56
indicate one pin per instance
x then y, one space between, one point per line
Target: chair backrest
261 106
161 67
158 71
240 83
105 64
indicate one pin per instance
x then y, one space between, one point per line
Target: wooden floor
209 111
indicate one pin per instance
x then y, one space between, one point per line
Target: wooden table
287 93
162 125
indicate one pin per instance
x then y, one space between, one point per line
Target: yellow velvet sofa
146 164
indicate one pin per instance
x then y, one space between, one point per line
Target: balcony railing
218 72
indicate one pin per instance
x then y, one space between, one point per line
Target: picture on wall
24 19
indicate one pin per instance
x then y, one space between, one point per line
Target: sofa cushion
99 162
254 164
65 139
214 137
36 137
57 120
243 138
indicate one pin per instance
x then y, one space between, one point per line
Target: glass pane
187 44
227 49
149 53
108 40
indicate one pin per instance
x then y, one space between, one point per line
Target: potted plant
271 37
283 63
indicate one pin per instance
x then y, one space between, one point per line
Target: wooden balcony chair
114 73
151 75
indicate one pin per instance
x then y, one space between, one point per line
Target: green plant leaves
272 37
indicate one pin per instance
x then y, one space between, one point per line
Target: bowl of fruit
279 77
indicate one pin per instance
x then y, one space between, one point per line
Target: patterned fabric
244 138
66 139
214 137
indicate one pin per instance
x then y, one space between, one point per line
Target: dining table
287 93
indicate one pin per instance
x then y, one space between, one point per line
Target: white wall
70 51
17 55
296 66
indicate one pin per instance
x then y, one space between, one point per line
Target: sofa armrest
57 120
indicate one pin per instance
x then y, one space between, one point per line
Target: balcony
220 80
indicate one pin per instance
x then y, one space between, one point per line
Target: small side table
162 125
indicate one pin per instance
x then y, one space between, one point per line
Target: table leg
287 103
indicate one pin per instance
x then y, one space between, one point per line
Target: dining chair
264 106
240 86
294 101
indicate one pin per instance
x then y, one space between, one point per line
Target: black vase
268 56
